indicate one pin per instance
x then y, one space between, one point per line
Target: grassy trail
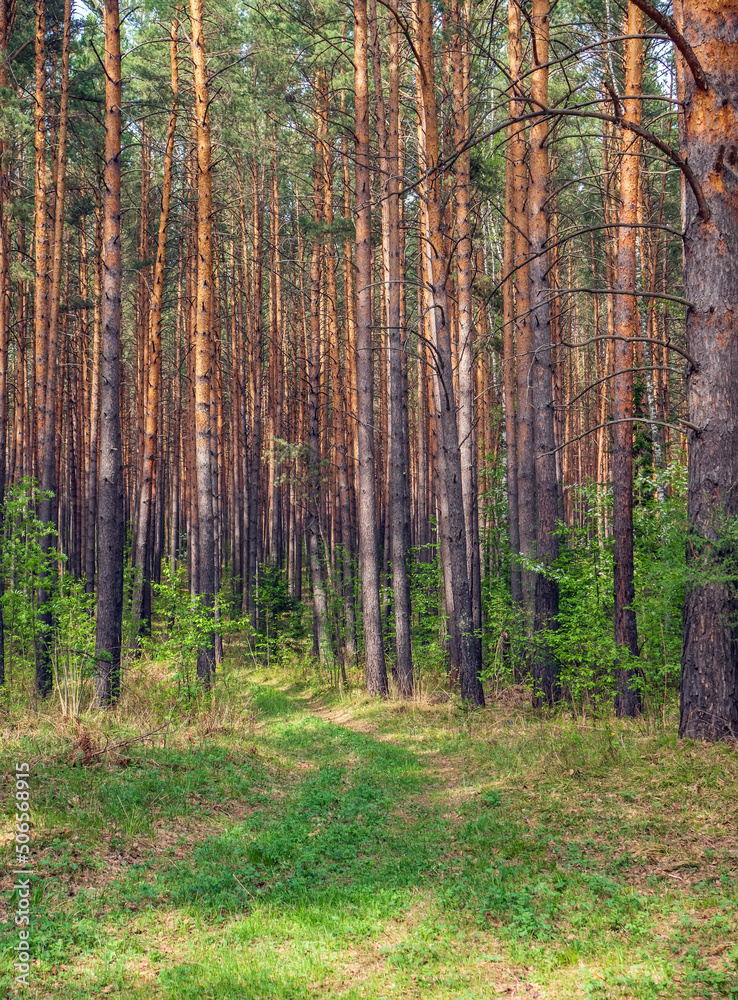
303 844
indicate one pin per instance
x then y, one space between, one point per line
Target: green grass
293 843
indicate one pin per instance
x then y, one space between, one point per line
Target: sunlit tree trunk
627 700
203 339
465 316
313 527
7 15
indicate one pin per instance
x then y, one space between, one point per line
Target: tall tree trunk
627 700
144 525
395 546
465 315
510 365
399 466
524 413
255 351
709 690
454 528
91 491
110 523
376 671
44 678
205 310
544 667
7 16
314 527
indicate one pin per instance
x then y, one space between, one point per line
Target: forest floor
290 841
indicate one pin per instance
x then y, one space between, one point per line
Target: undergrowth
280 839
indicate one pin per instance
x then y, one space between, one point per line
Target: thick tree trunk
709 693
376 671
110 519
627 699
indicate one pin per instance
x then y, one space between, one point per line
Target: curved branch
605 378
624 420
638 130
668 25
632 340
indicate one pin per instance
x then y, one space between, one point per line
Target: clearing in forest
299 843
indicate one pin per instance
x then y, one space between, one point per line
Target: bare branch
668 25
624 420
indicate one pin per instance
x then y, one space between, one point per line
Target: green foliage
660 578
29 564
182 626
74 643
584 643
281 629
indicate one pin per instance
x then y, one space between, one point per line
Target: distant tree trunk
465 314
376 671
144 524
275 371
454 528
315 504
255 352
94 405
627 699
44 678
543 665
510 364
203 341
388 129
7 16
524 413
110 521
709 691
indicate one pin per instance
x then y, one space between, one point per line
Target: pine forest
369 375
